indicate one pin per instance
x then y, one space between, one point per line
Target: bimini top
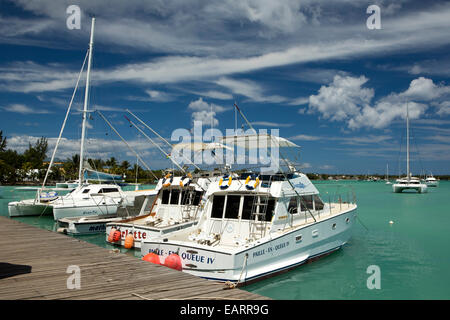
255 141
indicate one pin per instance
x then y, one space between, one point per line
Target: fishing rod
165 153
131 149
279 167
167 142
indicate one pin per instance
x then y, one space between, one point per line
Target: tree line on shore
30 166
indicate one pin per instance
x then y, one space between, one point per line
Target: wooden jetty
34 265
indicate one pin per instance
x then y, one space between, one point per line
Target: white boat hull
85 226
141 233
266 258
420 188
85 208
28 208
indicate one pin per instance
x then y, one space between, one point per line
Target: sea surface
411 254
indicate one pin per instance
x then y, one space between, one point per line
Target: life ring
187 177
249 186
170 181
223 187
48 196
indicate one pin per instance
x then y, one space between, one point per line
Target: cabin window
197 198
217 208
292 208
247 207
270 210
318 203
232 209
86 190
306 203
175 196
165 197
108 190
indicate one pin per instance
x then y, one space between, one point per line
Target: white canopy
255 141
199 146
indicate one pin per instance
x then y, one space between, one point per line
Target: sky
318 71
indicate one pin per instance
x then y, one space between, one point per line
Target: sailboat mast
86 100
407 142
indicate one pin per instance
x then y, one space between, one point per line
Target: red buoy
116 236
151 257
173 261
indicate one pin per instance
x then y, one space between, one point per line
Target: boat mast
86 99
407 143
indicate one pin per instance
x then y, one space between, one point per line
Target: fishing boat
409 182
94 224
255 226
176 206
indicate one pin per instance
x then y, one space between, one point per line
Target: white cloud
159 96
345 99
272 124
443 107
424 89
95 147
341 99
205 112
215 95
23 109
249 89
305 137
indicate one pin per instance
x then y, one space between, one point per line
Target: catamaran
254 226
409 182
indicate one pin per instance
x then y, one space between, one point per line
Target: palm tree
2 142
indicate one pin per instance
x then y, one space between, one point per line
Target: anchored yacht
409 182
431 181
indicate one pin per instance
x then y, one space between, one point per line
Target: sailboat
409 182
85 199
387 174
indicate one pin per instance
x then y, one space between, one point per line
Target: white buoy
391 222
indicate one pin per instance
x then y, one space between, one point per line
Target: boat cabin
249 207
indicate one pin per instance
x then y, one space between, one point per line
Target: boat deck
34 262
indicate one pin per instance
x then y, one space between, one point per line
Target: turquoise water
412 253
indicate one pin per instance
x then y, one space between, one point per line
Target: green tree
2 142
36 154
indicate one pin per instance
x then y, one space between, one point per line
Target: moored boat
252 230
176 206
409 182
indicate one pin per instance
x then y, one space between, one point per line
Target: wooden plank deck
33 265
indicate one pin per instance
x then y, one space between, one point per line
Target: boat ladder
259 210
188 208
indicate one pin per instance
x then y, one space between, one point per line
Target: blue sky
311 69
